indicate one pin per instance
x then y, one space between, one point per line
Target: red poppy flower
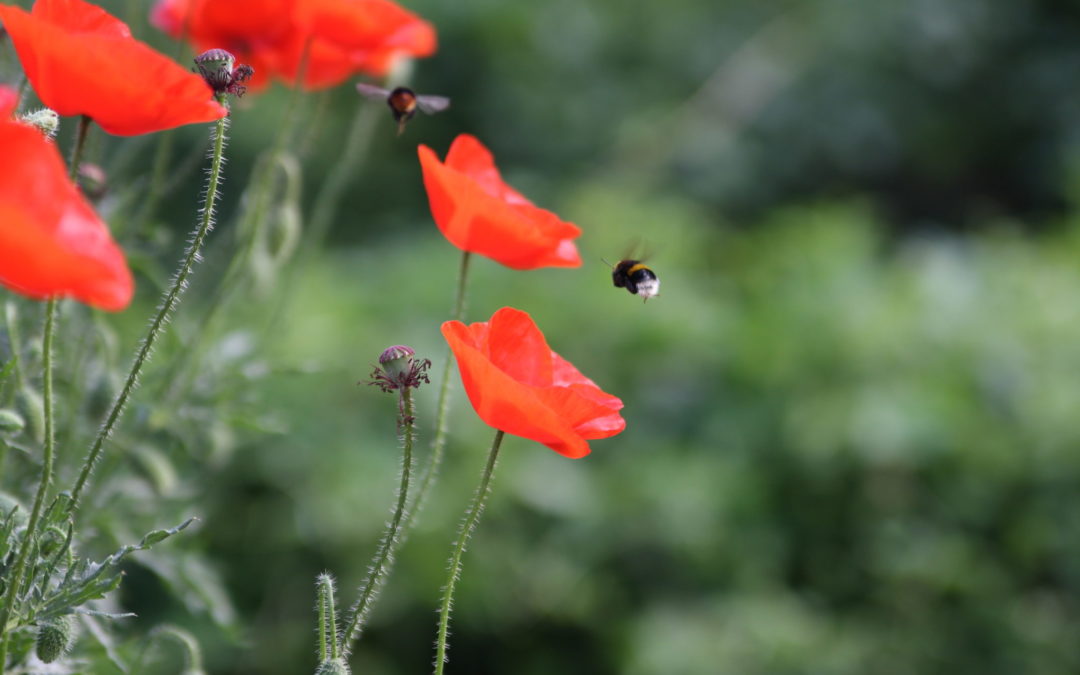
517 384
480 213
82 61
51 241
343 37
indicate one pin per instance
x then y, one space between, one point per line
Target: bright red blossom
477 212
517 384
52 244
343 37
83 61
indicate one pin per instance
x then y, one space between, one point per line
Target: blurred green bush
852 413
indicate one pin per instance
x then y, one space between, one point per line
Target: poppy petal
340 37
507 372
76 16
119 82
51 241
476 212
503 403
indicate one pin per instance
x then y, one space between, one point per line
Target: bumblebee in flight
404 102
636 277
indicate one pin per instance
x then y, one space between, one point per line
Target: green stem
77 148
384 558
250 225
16 579
168 304
472 516
438 444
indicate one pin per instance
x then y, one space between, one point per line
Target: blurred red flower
477 212
83 61
346 36
517 384
52 244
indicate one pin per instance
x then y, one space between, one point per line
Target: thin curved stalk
168 304
472 517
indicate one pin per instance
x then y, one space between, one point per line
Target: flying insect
636 277
404 102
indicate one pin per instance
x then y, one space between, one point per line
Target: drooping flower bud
11 422
55 637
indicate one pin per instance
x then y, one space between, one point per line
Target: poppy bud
11 422
55 637
45 120
216 67
333 667
398 369
396 360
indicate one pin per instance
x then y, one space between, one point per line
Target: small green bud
11 422
55 637
45 119
333 667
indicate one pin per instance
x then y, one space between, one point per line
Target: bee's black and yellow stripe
629 273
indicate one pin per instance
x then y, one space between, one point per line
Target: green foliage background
852 440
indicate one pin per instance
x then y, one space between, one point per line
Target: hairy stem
168 304
438 444
384 558
472 516
16 579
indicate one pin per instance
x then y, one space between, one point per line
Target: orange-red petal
507 372
80 62
342 37
478 212
52 244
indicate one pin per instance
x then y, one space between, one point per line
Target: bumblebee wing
372 92
432 104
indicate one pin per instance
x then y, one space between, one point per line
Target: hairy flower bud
55 637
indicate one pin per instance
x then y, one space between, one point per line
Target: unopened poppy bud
55 637
333 667
398 369
45 120
11 422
